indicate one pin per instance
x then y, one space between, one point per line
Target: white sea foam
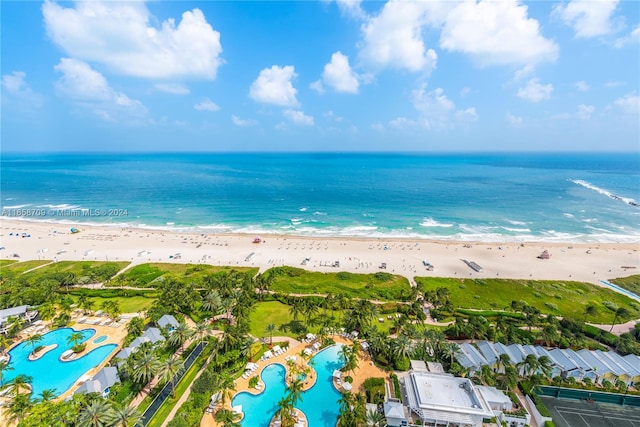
430 222
604 192
568 215
15 206
63 206
517 230
320 213
303 209
514 222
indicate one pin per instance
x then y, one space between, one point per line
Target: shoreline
588 262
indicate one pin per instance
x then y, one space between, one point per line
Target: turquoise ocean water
489 197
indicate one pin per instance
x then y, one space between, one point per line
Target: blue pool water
100 339
319 403
48 372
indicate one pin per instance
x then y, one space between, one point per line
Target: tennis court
577 413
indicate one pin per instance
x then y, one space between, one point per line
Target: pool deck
366 369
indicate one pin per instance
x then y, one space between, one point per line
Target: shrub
402 364
204 383
253 381
396 386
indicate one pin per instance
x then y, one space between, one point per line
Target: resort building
502 407
445 399
596 365
470 358
101 382
152 335
168 322
394 413
20 311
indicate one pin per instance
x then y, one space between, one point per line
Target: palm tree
75 338
4 343
296 308
168 371
125 416
48 395
4 366
549 334
270 328
19 407
295 391
285 412
227 386
590 310
227 418
450 350
402 347
621 313
180 334
509 378
212 302
503 361
33 340
97 414
146 365
375 418
545 365
201 331
19 384
529 365
46 311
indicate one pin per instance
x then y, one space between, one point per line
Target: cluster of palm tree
505 374
286 412
352 410
144 365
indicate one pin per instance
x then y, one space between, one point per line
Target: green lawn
560 298
132 304
378 286
143 275
630 283
5 262
13 268
85 271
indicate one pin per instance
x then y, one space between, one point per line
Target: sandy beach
576 261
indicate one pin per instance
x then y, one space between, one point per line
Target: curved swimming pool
48 372
319 403
100 339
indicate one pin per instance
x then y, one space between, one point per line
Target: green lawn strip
14 268
143 275
180 389
127 304
560 298
85 271
630 283
6 262
377 286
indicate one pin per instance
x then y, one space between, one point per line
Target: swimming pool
48 372
100 339
319 403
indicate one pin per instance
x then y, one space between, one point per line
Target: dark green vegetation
630 283
558 298
153 274
378 286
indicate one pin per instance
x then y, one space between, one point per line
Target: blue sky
321 76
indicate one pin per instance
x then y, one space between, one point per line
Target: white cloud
273 86
378 127
496 32
588 18
338 75
120 36
243 122
88 88
632 37
582 86
402 123
352 8
172 88
614 84
206 105
515 121
333 116
534 91
393 38
298 117
17 88
436 110
629 103
585 111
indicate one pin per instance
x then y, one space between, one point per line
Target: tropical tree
20 383
529 365
97 414
75 338
270 329
545 365
48 395
135 326
212 302
201 331
19 407
550 334
509 378
180 334
590 310
226 385
295 391
33 340
125 416
375 418
296 308
503 361
4 367
621 313
227 418
145 366
46 311
285 412
168 371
